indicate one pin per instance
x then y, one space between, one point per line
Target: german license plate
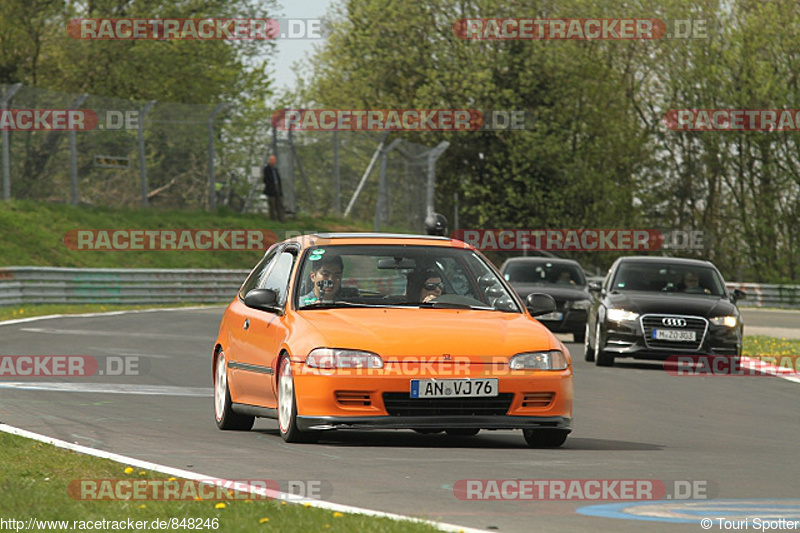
673 335
555 315
453 388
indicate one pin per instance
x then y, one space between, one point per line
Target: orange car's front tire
223 412
287 406
544 438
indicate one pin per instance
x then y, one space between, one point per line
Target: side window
278 277
258 273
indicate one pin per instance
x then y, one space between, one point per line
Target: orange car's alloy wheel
223 411
287 406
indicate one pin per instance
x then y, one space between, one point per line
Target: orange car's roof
328 239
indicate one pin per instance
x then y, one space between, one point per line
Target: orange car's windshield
386 275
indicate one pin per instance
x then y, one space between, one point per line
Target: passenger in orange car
424 286
326 279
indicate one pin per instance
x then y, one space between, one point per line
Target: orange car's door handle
246 324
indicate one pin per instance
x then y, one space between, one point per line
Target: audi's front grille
674 322
401 404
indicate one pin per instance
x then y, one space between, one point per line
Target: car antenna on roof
436 224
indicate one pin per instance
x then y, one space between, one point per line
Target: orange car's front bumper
381 398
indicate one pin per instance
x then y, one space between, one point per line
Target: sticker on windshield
315 258
319 251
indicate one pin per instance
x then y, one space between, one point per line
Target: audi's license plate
674 335
453 388
555 315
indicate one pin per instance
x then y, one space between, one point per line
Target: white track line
186 474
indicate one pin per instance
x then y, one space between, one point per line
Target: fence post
212 192
366 175
433 155
142 167
73 154
6 140
380 204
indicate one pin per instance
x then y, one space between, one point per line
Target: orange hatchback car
382 331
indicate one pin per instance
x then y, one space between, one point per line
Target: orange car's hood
429 334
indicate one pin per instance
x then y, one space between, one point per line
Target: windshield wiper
331 305
454 305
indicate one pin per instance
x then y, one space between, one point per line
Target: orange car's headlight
551 360
337 358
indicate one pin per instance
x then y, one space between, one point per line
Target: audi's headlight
620 315
582 304
336 358
552 360
727 321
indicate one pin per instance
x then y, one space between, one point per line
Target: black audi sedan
654 307
563 279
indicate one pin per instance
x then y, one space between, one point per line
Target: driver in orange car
326 279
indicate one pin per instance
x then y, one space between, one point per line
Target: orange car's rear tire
223 411
287 406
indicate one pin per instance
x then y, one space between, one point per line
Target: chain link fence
129 153
364 176
136 153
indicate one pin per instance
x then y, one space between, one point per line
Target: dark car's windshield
544 272
386 275
655 277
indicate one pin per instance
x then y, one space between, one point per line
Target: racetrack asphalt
737 435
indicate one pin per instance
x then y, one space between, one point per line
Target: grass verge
32 234
783 353
34 478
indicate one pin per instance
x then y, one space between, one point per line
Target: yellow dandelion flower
283 502
306 504
143 506
129 470
248 501
172 479
263 520
142 473
337 514
220 505
198 499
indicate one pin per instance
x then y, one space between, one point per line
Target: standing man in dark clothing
273 190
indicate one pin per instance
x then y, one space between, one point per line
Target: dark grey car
563 279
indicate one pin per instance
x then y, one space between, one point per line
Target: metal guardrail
54 285
765 295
